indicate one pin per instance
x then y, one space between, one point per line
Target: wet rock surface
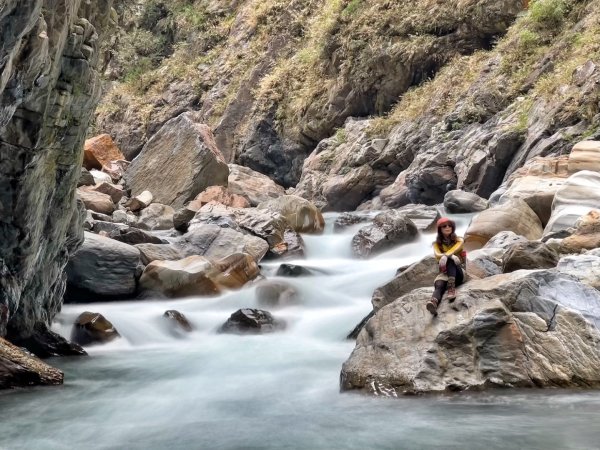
93 328
251 321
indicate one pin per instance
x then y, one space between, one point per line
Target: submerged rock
276 294
45 343
93 328
251 321
178 321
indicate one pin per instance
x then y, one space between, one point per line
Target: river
153 389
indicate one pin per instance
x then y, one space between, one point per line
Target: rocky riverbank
528 315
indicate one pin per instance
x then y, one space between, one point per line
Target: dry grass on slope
537 58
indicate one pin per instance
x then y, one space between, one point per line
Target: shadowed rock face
49 87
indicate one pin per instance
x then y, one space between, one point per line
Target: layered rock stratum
50 55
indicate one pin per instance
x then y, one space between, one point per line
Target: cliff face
49 55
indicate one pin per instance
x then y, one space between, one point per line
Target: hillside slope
458 92
274 78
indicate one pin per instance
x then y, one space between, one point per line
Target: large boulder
302 215
255 186
19 368
215 242
514 215
389 229
535 183
102 268
187 277
523 329
268 225
417 275
178 162
578 196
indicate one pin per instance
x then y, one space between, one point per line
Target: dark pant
453 271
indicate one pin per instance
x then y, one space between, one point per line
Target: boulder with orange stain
99 151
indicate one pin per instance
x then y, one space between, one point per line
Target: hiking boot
432 306
451 290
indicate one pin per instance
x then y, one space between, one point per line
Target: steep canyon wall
50 51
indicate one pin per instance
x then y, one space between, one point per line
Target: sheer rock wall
49 54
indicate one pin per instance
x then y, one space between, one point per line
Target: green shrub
548 13
528 41
351 8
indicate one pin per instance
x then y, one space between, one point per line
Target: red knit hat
444 220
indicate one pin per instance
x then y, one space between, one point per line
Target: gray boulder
389 229
523 329
458 202
178 162
529 255
102 268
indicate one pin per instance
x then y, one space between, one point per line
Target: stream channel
155 390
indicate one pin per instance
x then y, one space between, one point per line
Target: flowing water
153 389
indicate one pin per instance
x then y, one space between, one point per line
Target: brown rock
96 201
221 194
585 155
20 369
514 215
114 191
302 215
235 270
253 185
178 162
99 151
186 277
93 328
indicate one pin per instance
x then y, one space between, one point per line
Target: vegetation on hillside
536 59
319 45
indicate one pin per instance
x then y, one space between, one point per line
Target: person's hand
443 262
456 260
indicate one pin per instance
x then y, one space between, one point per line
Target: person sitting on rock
448 250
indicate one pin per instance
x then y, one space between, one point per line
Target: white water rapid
155 390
